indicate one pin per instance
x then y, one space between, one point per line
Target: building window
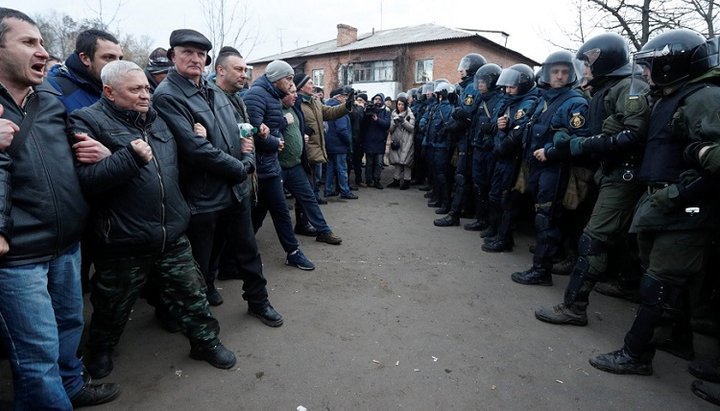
424 71
318 77
368 72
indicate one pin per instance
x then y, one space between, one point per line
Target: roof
393 37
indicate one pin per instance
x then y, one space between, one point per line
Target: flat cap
183 37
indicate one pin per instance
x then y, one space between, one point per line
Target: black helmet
471 63
564 58
607 55
488 74
677 55
518 75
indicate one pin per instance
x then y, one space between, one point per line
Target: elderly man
213 166
41 305
138 220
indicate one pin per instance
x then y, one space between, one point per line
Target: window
424 71
318 77
367 72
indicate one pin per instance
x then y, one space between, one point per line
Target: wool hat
278 69
363 96
300 80
182 37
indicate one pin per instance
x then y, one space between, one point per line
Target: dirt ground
402 316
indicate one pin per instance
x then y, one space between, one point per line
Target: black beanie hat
300 80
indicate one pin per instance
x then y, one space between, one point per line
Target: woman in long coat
401 157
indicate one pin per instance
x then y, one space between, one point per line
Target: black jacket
134 205
265 107
213 168
42 211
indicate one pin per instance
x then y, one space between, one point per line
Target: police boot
449 220
534 276
708 391
565 266
405 185
302 225
444 191
99 364
395 183
573 309
706 369
481 209
503 240
677 337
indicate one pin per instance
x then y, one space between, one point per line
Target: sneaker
621 362
213 296
267 314
562 314
298 259
217 356
329 238
95 394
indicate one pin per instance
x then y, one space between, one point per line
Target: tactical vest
663 160
540 125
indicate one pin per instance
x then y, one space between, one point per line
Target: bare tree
639 20
228 22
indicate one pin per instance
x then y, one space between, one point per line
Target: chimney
346 35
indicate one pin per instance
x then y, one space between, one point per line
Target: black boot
708 391
621 362
477 225
302 225
405 185
213 295
449 220
378 185
98 364
395 183
534 276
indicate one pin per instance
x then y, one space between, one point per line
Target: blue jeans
296 181
41 315
337 163
272 198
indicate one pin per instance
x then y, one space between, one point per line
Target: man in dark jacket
213 167
79 78
138 220
376 125
157 68
338 141
41 303
264 107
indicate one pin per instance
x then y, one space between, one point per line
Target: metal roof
392 37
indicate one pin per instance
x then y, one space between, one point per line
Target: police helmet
518 75
413 92
607 55
471 63
428 88
550 66
444 89
677 55
488 74
403 95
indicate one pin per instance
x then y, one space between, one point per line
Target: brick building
391 61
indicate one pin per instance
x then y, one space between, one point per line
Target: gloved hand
576 145
561 139
613 125
692 153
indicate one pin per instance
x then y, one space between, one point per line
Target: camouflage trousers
119 279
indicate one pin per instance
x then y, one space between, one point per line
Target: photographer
401 143
375 124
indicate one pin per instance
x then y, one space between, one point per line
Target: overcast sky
298 23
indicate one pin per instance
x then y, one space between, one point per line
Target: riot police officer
561 110
459 130
481 139
440 142
677 214
513 113
618 121
422 168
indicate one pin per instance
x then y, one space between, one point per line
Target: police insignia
577 120
469 100
519 114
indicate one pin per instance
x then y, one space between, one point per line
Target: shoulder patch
519 114
469 100
577 120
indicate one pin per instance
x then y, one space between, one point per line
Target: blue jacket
376 130
440 118
77 86
508 142
264 106
338 139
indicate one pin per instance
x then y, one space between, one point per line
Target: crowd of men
619 159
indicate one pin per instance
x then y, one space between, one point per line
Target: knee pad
589 246
460 179
542 222
657 292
